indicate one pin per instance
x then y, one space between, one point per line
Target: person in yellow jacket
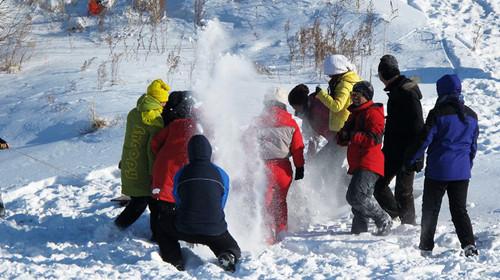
337 99
143 122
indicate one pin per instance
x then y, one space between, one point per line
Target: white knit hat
337 64
277 94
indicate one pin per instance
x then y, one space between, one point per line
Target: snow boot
227 261
385 228
426 253
471 251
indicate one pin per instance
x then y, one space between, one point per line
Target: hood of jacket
199 149
404 83
150 110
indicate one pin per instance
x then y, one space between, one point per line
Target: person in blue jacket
200 190
450 137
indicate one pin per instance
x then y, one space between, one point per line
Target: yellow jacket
339 100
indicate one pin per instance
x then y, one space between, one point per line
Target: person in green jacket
143 122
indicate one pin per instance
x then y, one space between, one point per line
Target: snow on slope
59 222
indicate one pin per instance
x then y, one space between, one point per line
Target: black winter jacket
200 190
404 120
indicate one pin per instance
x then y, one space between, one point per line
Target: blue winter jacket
200 191
450 134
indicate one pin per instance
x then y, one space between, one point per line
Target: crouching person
362 133
200 189
450 134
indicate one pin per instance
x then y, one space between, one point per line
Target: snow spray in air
231 95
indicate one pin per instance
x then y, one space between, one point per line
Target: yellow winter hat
159 90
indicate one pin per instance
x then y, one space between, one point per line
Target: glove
318 90
417 166
120 165
299 173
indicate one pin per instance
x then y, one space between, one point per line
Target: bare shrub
199 12
102 75
155 8
87 63
314 43
478 34
96 122
15 30
115 63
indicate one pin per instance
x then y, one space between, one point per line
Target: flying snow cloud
231 94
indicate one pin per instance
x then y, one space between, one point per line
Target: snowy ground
57 181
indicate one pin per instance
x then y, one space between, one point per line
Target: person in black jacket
404 122
200 190
450 133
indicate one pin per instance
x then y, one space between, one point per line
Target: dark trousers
134 210
170 249
431 204
401 202
360 196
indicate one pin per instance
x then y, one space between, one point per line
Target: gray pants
364 206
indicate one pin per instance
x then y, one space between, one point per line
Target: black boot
227 261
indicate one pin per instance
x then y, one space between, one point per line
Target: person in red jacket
169 146
362 133
279 138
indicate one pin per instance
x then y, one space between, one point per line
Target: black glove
318 90
299 173
417 166
120 165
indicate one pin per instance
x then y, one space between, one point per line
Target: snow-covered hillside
57 179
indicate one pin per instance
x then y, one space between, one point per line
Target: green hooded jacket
143 122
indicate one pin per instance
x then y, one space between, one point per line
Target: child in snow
200 189
279 137
170 148
362 133
143 122
450 132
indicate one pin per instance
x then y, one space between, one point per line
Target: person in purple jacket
450 137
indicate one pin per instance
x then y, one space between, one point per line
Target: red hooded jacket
170 149
362 134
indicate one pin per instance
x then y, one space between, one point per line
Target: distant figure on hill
201 189
403 124
362 133
450 132
169 146
143 122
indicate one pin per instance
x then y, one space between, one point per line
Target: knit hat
337 64
365 88
298 95
276 94
388 67
159 90
449 85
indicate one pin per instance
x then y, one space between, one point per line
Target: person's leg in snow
168 241
279 181
457 197
132 211
359 222
383 193
360 196
431 204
